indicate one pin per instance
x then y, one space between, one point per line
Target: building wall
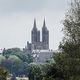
42 55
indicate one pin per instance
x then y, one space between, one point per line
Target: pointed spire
44 24
34 26
35 23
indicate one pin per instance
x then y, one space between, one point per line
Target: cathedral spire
44 24
35 23
34 32
34 26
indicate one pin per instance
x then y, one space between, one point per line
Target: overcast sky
17 17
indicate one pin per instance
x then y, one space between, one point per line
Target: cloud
56 4
7 6
20 5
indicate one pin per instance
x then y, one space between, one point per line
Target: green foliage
13 64
72 22
16 61
68 59
34 72
11 51
1 58
3 74
51 72
25 57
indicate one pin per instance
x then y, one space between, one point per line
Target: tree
13 64
25 57
72 23
16 61
51 72
34 72
68 59
11 51
3 74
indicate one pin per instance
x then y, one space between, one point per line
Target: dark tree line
15 61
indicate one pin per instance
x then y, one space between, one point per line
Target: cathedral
39 48
36 44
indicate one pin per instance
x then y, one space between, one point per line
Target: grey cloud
20 5
30 5
56 4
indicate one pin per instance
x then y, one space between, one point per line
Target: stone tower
35 34
45 36
35 38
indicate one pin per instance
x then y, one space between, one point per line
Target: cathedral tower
45 36
35 37
34 33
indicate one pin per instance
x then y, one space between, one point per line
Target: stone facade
41 56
